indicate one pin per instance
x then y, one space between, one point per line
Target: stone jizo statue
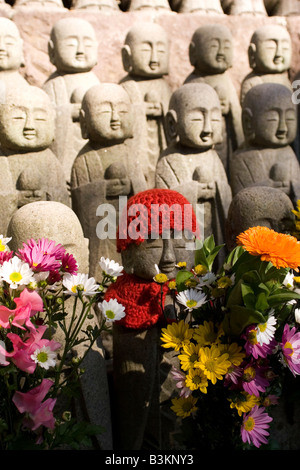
100 5
244 7
259 206
11 56
56 221
190 164
269 53
73 50
211 55
282 7
30 170
208 7
145 56
108 165
149 5
141 370
270 126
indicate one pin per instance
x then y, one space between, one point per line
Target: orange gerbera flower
282 250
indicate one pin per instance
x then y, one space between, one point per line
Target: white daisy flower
265 331
112 310
289 280
44 357
191 298
75 282
110 267
3 243
207 279
297 315
16 272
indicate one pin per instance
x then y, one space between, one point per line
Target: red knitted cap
150 212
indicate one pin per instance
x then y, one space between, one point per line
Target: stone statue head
270 49
269 116
73 46
146 51
259 206
157 5
211 49
52 220
27 120
156 228
195 116
11 46
106 114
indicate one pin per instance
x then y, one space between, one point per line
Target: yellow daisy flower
205 334
184 407
176 335
200 269
245 403
189 356
213 363
196 380
234 351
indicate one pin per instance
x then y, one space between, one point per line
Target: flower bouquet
235 338
46 311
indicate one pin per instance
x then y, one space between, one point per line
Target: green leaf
281 296
181 278
248 295
239 317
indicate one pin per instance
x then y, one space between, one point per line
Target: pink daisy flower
255 425
36 255
5 256
69 263
254 381
253 347
180 378
290 345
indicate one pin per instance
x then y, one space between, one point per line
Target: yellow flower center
200 269
289 346
15 277
262 327
252 337
249 374
42 356
249 424
191 303
172 285
74 289
2 247
193 358
196 379
110 314
187 406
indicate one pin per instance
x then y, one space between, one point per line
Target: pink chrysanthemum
253 347
69 264
41 255
5 256
291 349
180 379
254 381
255 425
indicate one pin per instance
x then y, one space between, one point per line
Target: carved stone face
163 252
198 116
272 50
148 50
11 46
271 119
27 121
211 49
74 46
107 114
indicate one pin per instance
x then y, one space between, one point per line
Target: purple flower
254 379
290 345
255 425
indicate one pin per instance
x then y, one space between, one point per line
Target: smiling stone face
26 120
106 114
73 46
11 46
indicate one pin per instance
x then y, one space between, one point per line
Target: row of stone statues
209 7
111 140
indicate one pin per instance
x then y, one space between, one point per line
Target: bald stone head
211 49
52 220
269 116
27 120
148 5
195 116
11 46
73 46
106 114
270 49
146 51
259 206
